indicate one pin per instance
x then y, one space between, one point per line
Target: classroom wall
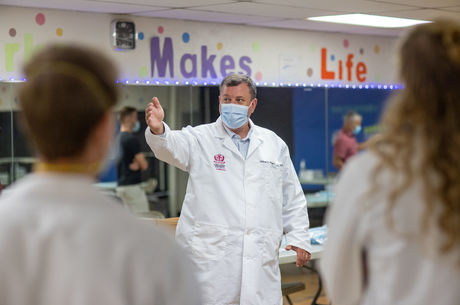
170 51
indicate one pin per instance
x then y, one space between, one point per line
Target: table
287 257
321 181
319 199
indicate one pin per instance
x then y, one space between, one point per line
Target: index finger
300 260
155 101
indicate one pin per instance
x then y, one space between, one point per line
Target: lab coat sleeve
341 262
295 214
180 284
173 147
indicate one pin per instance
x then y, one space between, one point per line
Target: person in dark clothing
131 162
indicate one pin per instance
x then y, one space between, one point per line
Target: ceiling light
369 20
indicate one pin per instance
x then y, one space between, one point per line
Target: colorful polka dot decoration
376 49
160 29
332 57
256 47
59 32
143 71
12 32
186 37
220 46
361 51
140 35
346 43
309 72
40 19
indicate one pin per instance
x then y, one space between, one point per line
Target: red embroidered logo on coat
219 162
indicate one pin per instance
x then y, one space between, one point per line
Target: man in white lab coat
61 240
242 193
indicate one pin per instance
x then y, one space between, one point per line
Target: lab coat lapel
228 143
255 140
226 140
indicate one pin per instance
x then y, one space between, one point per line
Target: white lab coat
235 210
62 242
403 264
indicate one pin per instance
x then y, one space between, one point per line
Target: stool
288 288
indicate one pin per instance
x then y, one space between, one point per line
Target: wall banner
173 52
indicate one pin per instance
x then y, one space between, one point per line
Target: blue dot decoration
332 57
140 35
186 37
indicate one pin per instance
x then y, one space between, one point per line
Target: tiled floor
290 273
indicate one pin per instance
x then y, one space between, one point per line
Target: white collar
231 133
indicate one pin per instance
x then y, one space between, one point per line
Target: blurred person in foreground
61 241
394 229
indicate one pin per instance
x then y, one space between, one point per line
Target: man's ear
220 108
253 106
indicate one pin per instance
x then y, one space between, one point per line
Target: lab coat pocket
271 248
209 241
273 177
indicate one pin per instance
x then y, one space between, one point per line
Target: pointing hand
154 115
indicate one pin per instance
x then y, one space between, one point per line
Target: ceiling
266 13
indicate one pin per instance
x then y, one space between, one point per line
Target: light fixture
369 20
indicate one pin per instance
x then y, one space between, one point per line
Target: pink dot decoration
40 19
309 72
259 76
346 43
160 29
12 32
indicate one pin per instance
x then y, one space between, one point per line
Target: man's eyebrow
238 96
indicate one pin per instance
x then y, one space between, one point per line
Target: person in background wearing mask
61 240
242 194
130 162
394 227
345 145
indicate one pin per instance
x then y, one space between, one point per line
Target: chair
288 288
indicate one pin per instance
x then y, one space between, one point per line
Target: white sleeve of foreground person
180 286
342 266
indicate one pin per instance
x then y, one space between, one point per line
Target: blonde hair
67 92
421 126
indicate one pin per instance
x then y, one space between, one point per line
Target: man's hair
351 115
234 80
125 112
68 91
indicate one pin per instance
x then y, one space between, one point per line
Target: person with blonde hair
61 240
394 228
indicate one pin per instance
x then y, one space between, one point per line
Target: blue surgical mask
233 115
137 127
357 130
